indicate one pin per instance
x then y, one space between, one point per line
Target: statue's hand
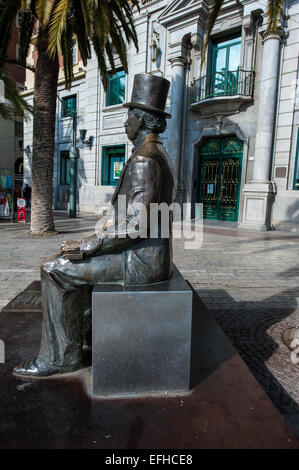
108 224
70 250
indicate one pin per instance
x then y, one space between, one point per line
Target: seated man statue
112 255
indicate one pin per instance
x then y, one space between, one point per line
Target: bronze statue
112 256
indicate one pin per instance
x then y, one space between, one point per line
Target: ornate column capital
196 42
248 25
281 33
271 36
181 61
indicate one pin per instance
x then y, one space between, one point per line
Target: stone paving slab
248 280
225 409
251 286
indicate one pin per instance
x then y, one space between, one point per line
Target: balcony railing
225 83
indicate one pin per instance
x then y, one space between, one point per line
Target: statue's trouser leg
66 294
61 343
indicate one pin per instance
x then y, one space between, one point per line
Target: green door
220 177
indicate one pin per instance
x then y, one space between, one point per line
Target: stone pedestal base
258 200
141 338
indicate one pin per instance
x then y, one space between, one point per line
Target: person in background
17 193
27 195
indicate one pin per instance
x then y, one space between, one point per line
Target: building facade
233 135
11 135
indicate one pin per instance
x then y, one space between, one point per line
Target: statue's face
132 125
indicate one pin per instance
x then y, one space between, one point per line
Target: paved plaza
248 280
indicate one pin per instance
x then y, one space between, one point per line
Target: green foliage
17 104
274 9
8 12
26 22
103 24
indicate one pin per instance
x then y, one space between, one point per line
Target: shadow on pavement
247 326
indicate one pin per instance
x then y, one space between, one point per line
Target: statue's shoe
37 369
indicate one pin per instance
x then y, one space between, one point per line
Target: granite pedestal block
141 337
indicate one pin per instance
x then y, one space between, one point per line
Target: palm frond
92 4
86 16
57 25
215 7
8 12
79 29
102 24
27 22
110 55
43 9
17 104
39 6
67 45
6 112
274 9
101 61
119 44
105 23
26 4
124 15
49 5
8 60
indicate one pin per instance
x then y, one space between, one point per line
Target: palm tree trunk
44 117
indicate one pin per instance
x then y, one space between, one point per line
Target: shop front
6 193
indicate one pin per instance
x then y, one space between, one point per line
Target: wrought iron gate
220 177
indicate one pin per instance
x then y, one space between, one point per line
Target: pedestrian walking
27 195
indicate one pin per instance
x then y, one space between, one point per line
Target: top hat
149 93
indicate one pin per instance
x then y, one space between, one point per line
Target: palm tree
274 9
105 24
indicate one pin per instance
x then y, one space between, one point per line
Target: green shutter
105 167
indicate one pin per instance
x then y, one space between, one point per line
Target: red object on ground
21 210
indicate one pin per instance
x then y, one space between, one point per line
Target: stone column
266 109
178 66
258 194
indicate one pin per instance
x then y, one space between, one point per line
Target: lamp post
154 46
74 155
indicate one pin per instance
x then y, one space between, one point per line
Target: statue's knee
48 263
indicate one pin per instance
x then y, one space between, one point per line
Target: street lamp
88 142
74 155
27 149
154 46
